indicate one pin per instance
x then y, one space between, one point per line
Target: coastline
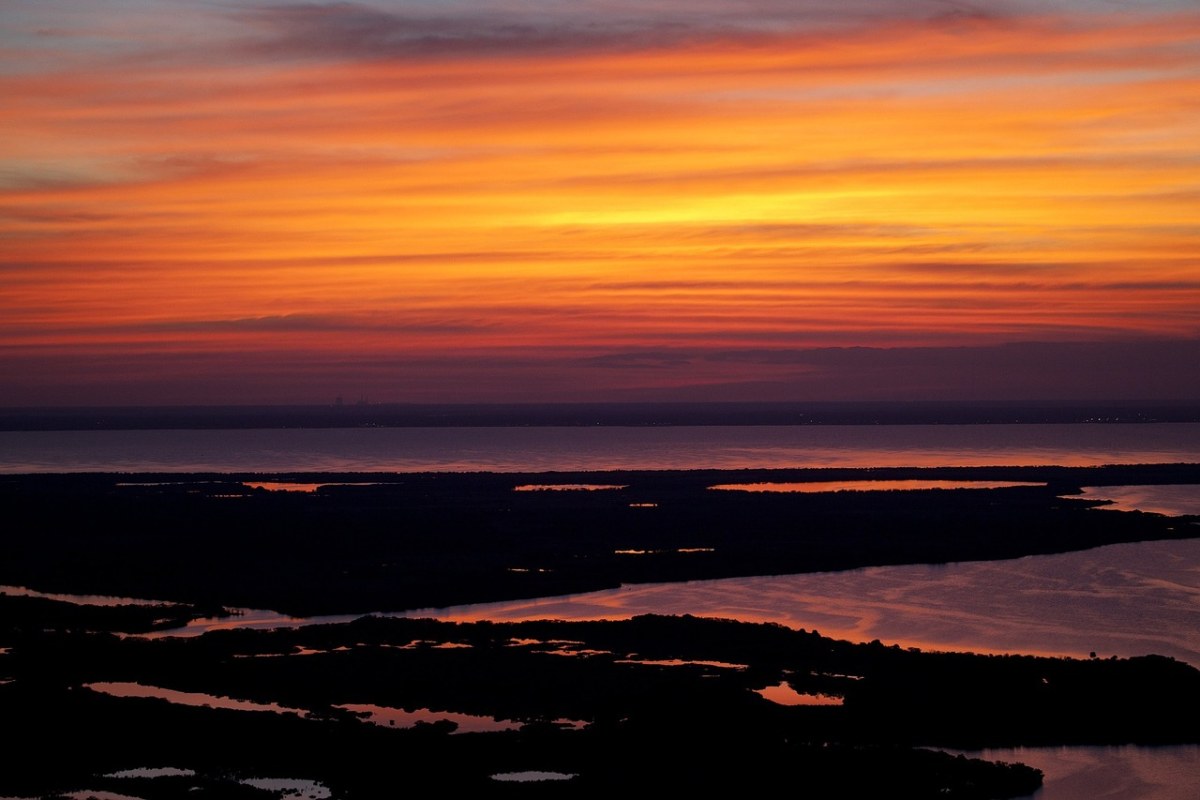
363 542
312 703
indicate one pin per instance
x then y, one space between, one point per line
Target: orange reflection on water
681 662
1126 600
635 552
785 695
1174 500
285 486
1160 772
867 486
566 487
403 718
125 689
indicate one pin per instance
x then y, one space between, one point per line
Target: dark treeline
575 414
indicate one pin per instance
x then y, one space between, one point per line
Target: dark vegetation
680 727
437 539
206 541
37 612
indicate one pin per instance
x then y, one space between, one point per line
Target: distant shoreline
1055 476
358 415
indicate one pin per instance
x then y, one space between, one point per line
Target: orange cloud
893 181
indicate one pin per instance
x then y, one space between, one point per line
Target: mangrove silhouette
656 703
407 541
666 703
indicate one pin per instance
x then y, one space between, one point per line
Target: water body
407 718
1123 772
291 788
532 776
199 699
815 487
285 788
1169 500
536 449
1124 600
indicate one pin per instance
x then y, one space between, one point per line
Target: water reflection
153 772
532 775
681 662
284 788
1089 773
814 487
784 695
681 550
1125 600
307 488
566 487
120 689
251 618
80 599
291 788
404 718
92 794
1171 500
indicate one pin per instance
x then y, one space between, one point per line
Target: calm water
1169 500
536 449
1109 773
1124 600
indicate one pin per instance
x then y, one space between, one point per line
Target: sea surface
578 448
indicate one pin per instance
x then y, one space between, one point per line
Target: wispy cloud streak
455 182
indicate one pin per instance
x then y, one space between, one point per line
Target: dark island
654 703
382 542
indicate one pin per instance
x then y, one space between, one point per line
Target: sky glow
528 201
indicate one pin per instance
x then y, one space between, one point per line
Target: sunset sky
205 201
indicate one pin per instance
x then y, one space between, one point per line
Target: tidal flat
658 702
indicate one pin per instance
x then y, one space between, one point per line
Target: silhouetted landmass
549 414
37 612
654 704
439 539
693 726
